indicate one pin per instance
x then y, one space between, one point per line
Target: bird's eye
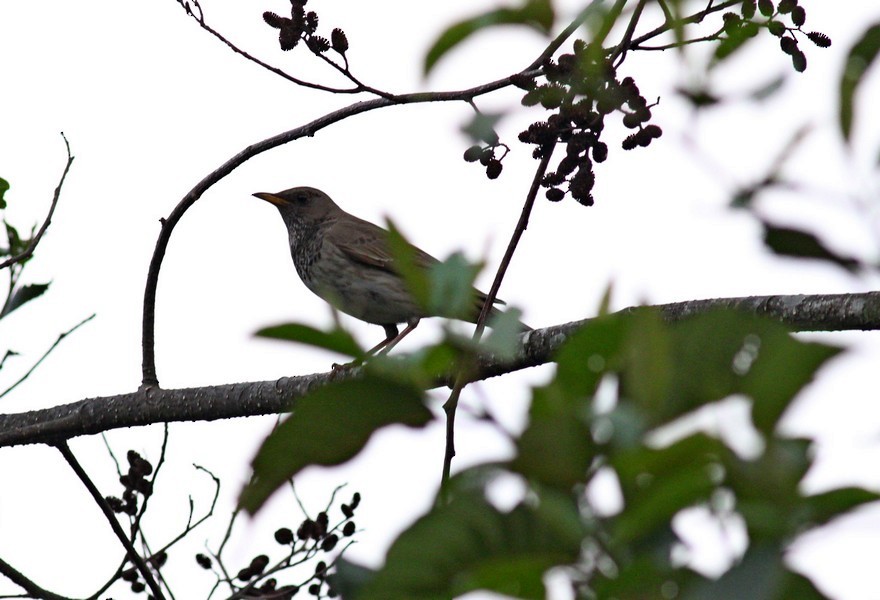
302 199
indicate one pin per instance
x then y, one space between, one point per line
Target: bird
348 263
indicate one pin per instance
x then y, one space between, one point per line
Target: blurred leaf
658 483
769 89
451 287
800 244
328 427
760 576
335 340
832 504
470 545
503 339
556 447
649 372
16 244
699 97
605 301
589 353
784 365
23 294
768 488
736 39
859 60
348 578
537 14
643 577
4 187
481 127
405 263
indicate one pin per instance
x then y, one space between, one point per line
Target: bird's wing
367 244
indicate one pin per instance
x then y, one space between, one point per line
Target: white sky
151 104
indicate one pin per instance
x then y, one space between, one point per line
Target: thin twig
694 18
133 556
461 380
29 251
623 47
46 353
200 19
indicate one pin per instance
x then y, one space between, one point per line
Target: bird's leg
386 346
391 333
391 338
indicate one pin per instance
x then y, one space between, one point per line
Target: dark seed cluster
133 577
486 156
302 26
582 90
135 483
784 20
311 537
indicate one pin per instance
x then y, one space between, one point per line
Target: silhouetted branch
133 555
835 312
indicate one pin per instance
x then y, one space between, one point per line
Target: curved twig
307 130
29 251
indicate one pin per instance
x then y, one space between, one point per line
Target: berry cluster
486 157
135 482
582 89
132 575
302 25
311 537
740 26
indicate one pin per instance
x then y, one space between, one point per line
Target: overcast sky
151 104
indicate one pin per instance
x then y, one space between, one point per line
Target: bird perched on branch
348 262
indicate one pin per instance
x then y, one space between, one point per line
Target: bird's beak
270 198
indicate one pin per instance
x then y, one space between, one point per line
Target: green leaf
537 14
556 448
4 187
859 60
761 575
348 578
783 367
469 545
16 244
328 427
801 244
503 339
335 340
768 488
481 127
826 506
451 287
658 483
23 294
404 254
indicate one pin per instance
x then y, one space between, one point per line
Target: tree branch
133 556
835 312
31 588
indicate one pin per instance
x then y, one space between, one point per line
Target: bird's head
304 205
